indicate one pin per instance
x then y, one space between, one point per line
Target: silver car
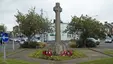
108 40
97 41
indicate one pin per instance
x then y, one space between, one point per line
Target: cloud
102 8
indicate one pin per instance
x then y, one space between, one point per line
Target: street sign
4 37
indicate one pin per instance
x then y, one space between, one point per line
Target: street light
94 16
46 14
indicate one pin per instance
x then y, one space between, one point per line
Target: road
102 44
9 46
105 45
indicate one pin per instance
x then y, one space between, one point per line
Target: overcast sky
102 8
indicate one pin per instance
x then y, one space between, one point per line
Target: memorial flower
47 53
66 53
44 52
69 53
63 53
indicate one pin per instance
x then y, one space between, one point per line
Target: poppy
44 52
49 53
69 53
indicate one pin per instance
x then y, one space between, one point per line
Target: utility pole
41 19
41 12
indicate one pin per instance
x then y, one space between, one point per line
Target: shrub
33 44
90 44
79 43
73 45
24 45
42 44
29 45
72 40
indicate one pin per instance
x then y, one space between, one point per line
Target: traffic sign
4 37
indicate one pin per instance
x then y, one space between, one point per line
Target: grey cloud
102 8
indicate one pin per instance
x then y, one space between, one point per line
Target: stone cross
57 9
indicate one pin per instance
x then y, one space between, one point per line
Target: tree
2 28
88 27
32 23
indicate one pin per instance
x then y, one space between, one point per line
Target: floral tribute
47 53
63 53
66 53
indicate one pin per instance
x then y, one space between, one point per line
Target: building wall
64 36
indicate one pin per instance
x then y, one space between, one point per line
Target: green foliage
72 43
25 45
91 44
110 52
2 28
100 61
79 43
32 23
76 54
42 44
33 45
1 54
88 27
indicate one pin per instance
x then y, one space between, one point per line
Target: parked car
108 40
97 41
35 40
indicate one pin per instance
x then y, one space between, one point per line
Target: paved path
24 56
91 56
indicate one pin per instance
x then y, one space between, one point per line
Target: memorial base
57 48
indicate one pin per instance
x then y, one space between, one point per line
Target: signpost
5 38
13 41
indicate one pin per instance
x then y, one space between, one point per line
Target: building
108 28
51 36
64 36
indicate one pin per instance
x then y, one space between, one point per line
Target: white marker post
4 40
13 41
4 51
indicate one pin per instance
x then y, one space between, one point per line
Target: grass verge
76 54
13 61
1 54
110 52
100 61
10 53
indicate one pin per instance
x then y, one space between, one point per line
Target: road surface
9 46
105 45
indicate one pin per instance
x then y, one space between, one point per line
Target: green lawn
12 61
7 53
1 54
110 52
100 61
76 54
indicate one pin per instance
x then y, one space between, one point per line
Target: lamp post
94 16
46 14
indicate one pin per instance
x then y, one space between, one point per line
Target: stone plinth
59 46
